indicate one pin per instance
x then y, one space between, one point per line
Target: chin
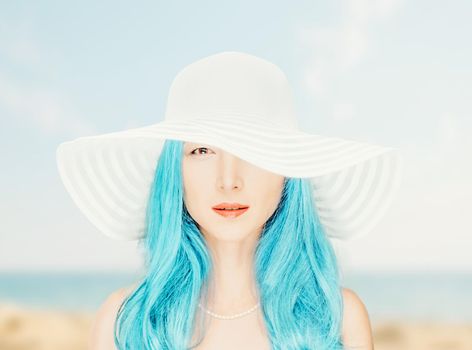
228 233
233 236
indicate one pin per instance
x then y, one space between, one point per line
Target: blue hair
295 268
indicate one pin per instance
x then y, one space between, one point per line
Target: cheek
192 206
191 196
195 197
193 180
270 198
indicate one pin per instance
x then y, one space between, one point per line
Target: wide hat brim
109 176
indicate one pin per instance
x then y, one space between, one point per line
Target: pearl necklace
223 317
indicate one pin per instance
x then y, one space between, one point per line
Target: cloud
22 50
449 143
335 50
18 43
343 111
452 151
386 8
45 108
448 133
48 109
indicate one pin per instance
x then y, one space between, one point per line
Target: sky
391 72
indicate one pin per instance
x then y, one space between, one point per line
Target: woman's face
212 176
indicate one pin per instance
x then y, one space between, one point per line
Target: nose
229 172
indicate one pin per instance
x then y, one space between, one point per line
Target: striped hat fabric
244 105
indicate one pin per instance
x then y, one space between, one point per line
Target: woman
217 277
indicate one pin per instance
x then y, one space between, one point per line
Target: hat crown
232 84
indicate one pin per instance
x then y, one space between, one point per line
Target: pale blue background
392 72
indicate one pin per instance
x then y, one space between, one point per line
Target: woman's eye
200 148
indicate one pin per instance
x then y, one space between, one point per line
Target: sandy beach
35 329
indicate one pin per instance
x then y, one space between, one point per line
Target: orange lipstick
230 210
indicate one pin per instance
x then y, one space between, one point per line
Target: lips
230 210
230 206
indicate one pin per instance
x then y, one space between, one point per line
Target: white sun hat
244 105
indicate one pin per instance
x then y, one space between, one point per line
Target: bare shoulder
357 331
101 335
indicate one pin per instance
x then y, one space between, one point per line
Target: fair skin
211 176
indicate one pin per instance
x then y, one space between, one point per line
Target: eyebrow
194 144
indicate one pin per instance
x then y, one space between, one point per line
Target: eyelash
197 149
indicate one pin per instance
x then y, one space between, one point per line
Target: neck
232 285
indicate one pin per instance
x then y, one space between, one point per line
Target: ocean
444 297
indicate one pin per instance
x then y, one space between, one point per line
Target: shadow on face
212 176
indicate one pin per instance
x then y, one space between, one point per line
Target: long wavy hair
294 264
